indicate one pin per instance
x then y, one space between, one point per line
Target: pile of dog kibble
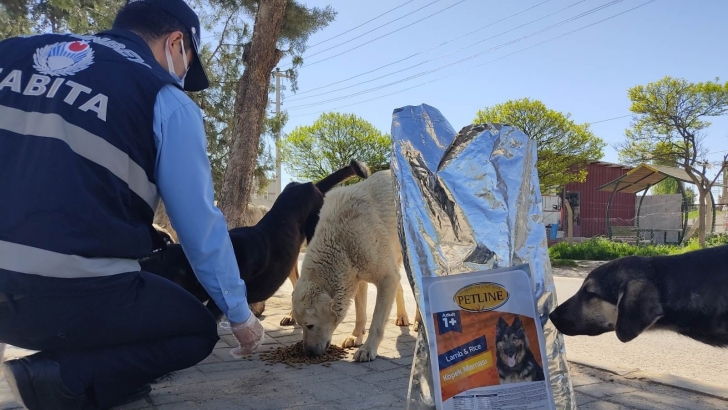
294 356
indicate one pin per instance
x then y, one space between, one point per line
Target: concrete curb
683 383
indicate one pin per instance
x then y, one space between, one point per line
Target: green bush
557 263
602 249
710 240
716 240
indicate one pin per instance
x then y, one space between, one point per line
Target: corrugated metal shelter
644 176
590 206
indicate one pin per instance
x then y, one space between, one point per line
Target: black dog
687 294
515 361
267 252
160 238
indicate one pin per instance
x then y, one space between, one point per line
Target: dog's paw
351 341
417 325
257 308
288 321
402 320
365 354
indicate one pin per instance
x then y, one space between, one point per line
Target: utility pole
278 75
725 182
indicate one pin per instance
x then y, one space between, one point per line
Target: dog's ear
311 223
331 306
518 325
501 326
639 307
331 303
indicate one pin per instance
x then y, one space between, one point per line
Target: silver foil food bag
466 202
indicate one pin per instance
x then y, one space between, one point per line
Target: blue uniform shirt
184 181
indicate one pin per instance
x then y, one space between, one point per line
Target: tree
18 17
224 65
311 152
564 147
668 128
276 22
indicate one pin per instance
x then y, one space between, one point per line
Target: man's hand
249 334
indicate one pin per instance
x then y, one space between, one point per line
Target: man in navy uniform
94 130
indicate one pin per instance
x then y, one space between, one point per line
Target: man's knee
209 338
199 347
212 336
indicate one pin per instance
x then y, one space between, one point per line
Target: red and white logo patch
63 59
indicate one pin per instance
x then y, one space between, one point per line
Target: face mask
170 64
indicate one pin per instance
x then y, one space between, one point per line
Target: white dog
355 243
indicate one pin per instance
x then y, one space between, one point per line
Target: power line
479 65
458 61
441 56
372 30
382 36
454 62
421 52
364 23
375 29
609 119
354 28
461 60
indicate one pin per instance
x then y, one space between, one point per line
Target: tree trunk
702 193
260 57
708 213
569 223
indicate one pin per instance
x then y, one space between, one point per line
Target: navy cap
196 78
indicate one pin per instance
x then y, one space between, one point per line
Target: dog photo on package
487 351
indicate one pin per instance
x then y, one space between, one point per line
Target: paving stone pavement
221 382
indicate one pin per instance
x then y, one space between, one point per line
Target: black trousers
113 335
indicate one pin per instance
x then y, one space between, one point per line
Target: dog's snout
315 350
311 351
554 317
565 321
562 324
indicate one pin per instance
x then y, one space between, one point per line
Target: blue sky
586 73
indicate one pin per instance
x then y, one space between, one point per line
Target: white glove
249 334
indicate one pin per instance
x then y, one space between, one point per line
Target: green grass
562 263
602 249
694 215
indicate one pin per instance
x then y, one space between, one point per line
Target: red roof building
590 206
